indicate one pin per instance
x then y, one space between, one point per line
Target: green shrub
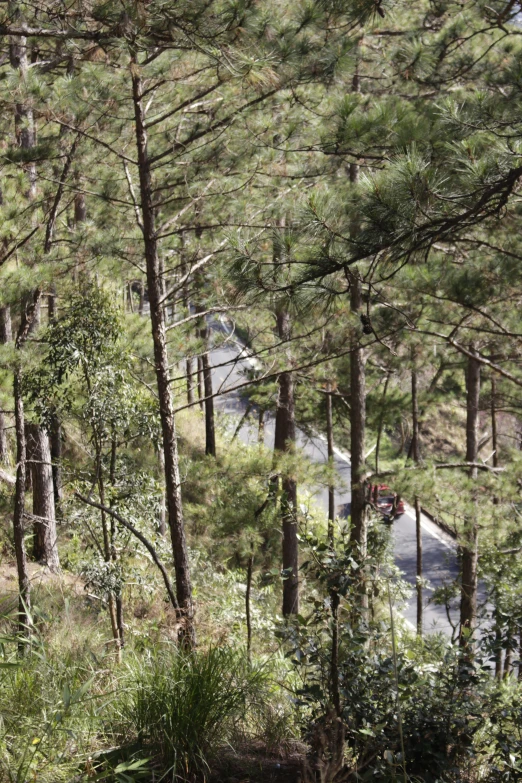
183 706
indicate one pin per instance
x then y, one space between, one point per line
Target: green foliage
183 706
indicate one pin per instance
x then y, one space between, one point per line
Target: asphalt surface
230 362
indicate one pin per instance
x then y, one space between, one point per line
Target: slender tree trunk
130 296
55 435
6 336
520 654
141 305
24 130
200 383
157 316
418 530
108 539
498 643
6 329
45 546
4 447
118 596
494 434
468 602
415 450
381 422
330 446
261 427
190 380
334 656
285 443
359 519
24 584
163 503
210 431
508 660
80 209
250 568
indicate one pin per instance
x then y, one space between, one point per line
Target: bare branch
146 543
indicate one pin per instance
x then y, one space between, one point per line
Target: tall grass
184 706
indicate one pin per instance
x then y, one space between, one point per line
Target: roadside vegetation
225 226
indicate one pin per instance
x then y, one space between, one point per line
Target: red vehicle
387 502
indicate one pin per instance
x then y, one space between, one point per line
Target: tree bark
6 329
210 431
285 443
162 514
24 131
6 336
418 529
24 584
415 450
261 427
45 545
190 380
330 447
200 383
498 645
469 562
494 434
157 316
508 660
359 520
250 568
55 436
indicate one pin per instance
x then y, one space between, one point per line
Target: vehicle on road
387 502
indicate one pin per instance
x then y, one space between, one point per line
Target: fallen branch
146 543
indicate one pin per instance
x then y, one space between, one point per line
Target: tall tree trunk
118 595
190 380
330 447
494 434
508 660
189 362
415 450
210 431
418 531
141 305
261 427
24 130
6 329
359 519
381 422
55 436
159 336
163 504
498 648
45 546
6 336
24 584
468 601
55 428
250 569
285 443
200 383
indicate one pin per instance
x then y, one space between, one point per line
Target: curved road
230 361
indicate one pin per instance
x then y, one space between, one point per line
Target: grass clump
183 707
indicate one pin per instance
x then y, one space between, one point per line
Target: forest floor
40 576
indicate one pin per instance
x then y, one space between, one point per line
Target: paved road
230 361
